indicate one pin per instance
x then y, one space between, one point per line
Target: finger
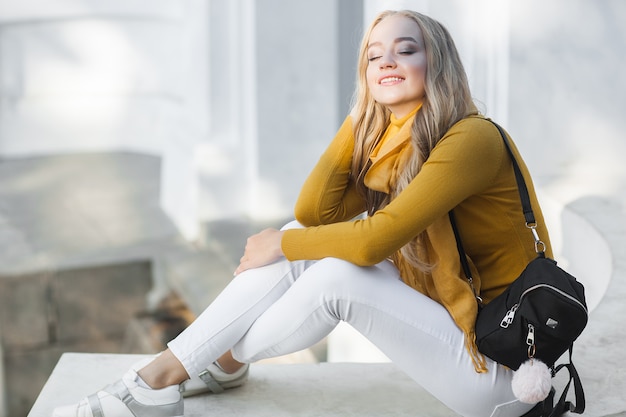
244 264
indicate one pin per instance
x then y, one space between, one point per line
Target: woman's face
396 71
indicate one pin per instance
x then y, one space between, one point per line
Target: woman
413 148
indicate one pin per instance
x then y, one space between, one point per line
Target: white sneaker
214 379
125 398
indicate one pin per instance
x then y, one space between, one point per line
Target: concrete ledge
274 390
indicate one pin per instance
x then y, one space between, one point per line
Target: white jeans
288 306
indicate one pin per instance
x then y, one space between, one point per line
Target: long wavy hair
447 99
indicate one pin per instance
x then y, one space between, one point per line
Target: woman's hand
261 249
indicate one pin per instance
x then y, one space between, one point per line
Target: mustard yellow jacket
469 171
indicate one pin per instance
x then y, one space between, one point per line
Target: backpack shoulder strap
563 406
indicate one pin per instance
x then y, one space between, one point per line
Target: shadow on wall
580 248
596 252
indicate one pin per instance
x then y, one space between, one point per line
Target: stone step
274 390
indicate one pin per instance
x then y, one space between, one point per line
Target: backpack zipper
510 315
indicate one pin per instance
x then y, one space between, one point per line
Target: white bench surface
273 390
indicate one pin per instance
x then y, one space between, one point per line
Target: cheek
370 77
420 76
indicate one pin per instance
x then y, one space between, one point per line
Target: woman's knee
334 268
294 224
334 274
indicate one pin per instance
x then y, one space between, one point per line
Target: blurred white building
239 97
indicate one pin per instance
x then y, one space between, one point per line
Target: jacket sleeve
328 194
465 162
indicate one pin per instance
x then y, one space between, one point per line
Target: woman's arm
328 194
261 249
465 162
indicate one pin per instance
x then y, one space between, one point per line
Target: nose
386 61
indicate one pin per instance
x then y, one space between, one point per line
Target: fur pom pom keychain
532 381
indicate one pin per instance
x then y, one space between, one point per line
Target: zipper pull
508 318
530 341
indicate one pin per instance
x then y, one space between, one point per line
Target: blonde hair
447 99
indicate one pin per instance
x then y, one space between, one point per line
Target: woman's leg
165 369
231 314
222 323
219 327
415 332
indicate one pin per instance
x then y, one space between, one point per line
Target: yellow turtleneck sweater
468 170
389 155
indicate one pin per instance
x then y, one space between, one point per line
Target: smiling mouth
390 80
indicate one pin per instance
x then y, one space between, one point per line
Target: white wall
239 100
273 94
86 75
567 93
241 97
297 99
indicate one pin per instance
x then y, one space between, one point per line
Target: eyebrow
397 40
